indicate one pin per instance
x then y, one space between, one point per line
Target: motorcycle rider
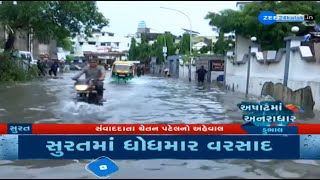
95 72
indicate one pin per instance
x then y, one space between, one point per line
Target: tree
245 22
66 43
164 40
184 44
188 57
144 50
221 46
171 47
69 58
158 48
206 49
133 51
50 19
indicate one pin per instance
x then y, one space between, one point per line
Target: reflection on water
143 100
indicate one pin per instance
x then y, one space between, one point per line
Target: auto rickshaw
122 70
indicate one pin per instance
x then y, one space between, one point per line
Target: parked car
27 56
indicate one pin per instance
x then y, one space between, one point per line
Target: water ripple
143 100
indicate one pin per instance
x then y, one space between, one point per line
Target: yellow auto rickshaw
122 70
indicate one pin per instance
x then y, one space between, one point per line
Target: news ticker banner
121 147
157 129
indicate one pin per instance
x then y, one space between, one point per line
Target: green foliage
55 19
48 20
158 48
188 57
65 43
206 49
11 69
144 51
69 58
1 44
245 22
184 45
133 51
221 46
164 40
171 47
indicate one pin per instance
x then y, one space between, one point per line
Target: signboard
164 50
103 49
217 65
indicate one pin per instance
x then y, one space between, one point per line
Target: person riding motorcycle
95 72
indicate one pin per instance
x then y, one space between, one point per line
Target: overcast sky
125 16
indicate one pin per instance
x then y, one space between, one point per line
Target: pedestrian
62 66
138 71
42 65
54 68
41 68
201 74
48 63
166 72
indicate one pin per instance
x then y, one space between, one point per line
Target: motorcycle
86 92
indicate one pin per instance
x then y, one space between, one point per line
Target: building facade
24 41
107 46
101 42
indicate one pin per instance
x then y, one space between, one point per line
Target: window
121 67
102 34
28 57
92 43
103 44
23 56
108 43
81 43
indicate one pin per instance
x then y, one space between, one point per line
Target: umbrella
294 108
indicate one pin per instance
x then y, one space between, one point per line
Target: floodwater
143 100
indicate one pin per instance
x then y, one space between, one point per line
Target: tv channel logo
269 17
102 167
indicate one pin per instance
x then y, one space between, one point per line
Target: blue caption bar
152 147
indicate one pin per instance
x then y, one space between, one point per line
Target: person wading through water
54 68
201 73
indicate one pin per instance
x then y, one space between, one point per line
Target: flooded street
143 100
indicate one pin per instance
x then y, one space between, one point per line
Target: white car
26 56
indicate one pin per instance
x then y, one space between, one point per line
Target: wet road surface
143 100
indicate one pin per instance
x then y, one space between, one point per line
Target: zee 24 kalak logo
269 113
269 17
